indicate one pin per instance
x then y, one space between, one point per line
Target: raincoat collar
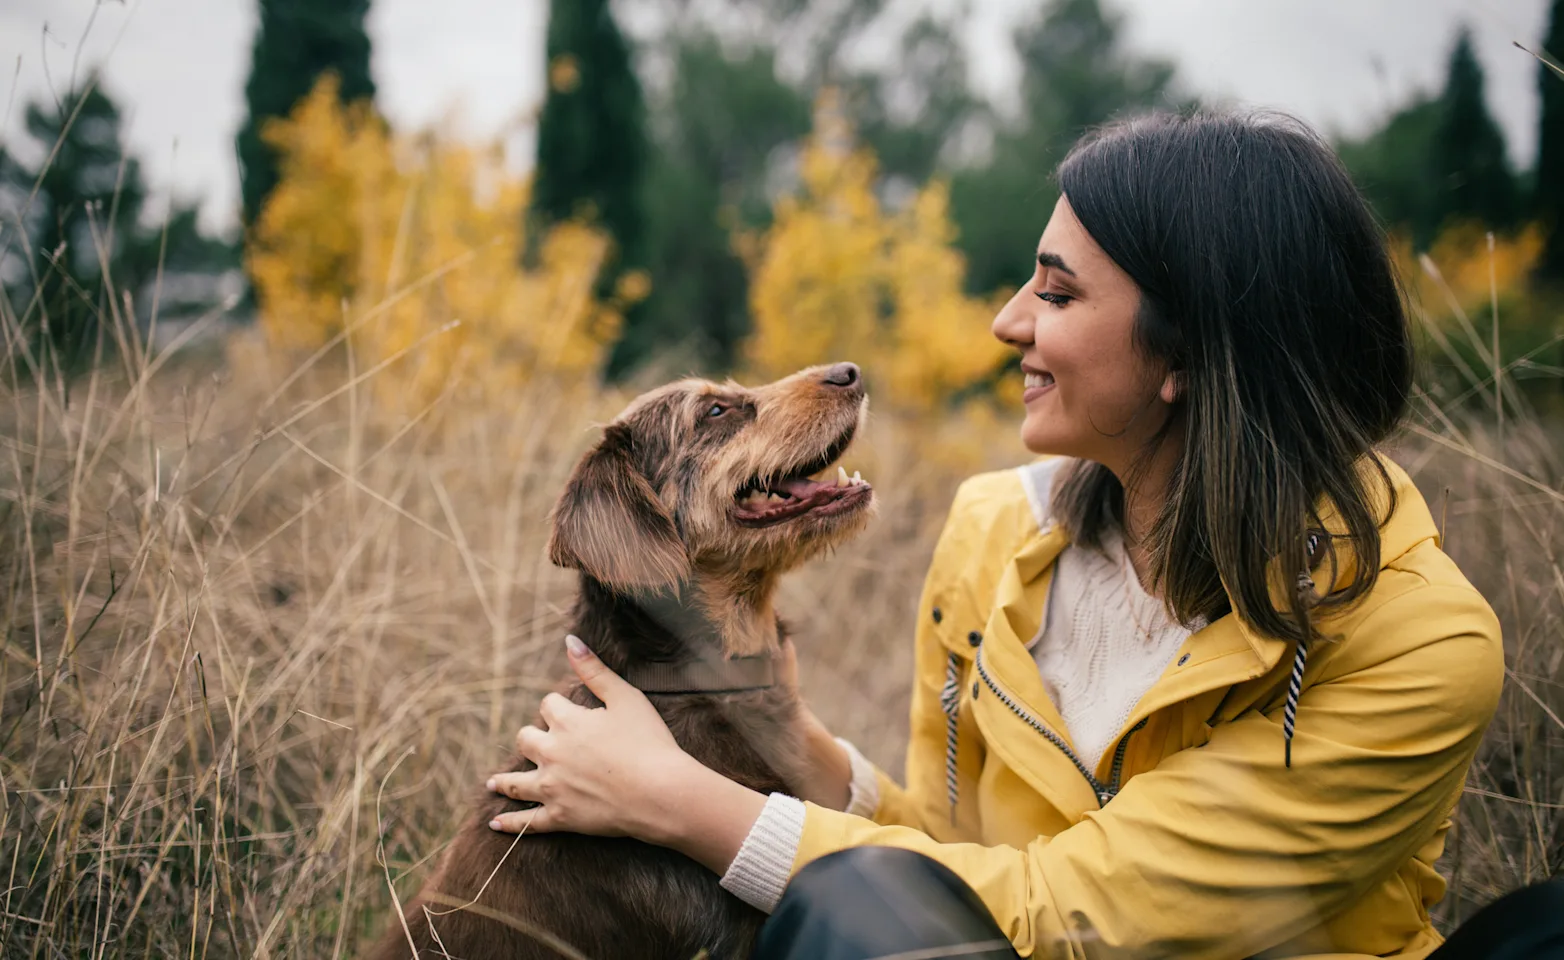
1409 524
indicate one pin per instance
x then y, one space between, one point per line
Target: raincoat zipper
1104 792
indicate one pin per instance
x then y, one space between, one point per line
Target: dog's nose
842 374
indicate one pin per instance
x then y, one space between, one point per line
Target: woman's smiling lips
1037 382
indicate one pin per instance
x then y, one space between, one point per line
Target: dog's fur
654 510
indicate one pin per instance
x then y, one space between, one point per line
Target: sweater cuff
863 791
764 862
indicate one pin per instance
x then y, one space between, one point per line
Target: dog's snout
842 374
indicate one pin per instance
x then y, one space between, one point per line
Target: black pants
882 903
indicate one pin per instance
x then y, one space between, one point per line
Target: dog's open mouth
820 487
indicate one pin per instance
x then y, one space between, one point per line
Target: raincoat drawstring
1290 712
1301 659
950 702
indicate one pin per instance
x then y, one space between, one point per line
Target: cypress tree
1475 181
592 150
296 42
1548 202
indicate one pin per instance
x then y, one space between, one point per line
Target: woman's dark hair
1266 284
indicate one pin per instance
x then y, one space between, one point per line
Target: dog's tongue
801 488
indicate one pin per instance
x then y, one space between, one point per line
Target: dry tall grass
263 639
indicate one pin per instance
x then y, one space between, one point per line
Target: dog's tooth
857 477
841 476
775 498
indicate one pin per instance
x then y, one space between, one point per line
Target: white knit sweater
1103 643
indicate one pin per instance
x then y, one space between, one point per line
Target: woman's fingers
518 785
530 743
536 820
595 768
555 708
595 675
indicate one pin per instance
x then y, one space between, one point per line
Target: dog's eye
717 410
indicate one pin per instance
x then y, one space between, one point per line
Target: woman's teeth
1038 380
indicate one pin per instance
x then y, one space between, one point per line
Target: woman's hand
616 771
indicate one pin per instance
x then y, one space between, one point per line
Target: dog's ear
610 524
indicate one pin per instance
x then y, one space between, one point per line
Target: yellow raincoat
1210 847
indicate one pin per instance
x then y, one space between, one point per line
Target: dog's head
699 481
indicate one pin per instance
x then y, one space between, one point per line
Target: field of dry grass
264 637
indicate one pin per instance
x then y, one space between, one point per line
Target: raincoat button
1183 660
938 615
974 689
974 638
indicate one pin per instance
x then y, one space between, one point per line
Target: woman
1202 684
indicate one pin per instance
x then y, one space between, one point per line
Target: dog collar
738 675
708 671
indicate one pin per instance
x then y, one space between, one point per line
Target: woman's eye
716 410
1057 299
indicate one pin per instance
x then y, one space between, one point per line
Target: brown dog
681 520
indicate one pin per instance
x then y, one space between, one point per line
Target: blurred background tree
296 41
1075 73
677 126
730 104
592 149
1548 200
728 110
1469 153
1469 233
1442 160
86 250
411 251
839 275
1394 167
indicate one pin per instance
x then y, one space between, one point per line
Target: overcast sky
178 66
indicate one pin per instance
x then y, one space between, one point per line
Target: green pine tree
296 42
1394 166
726 123
722 119
85 244
592 149
591 138
1474 176
1548 201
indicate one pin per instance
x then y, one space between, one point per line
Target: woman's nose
1013 325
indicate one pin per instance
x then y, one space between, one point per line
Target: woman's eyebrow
1053 261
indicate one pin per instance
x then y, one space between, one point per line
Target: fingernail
490 785
576 647
496 825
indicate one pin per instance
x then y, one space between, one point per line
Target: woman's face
1089 392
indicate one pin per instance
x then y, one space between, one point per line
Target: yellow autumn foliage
837 277
1461 272
415 246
